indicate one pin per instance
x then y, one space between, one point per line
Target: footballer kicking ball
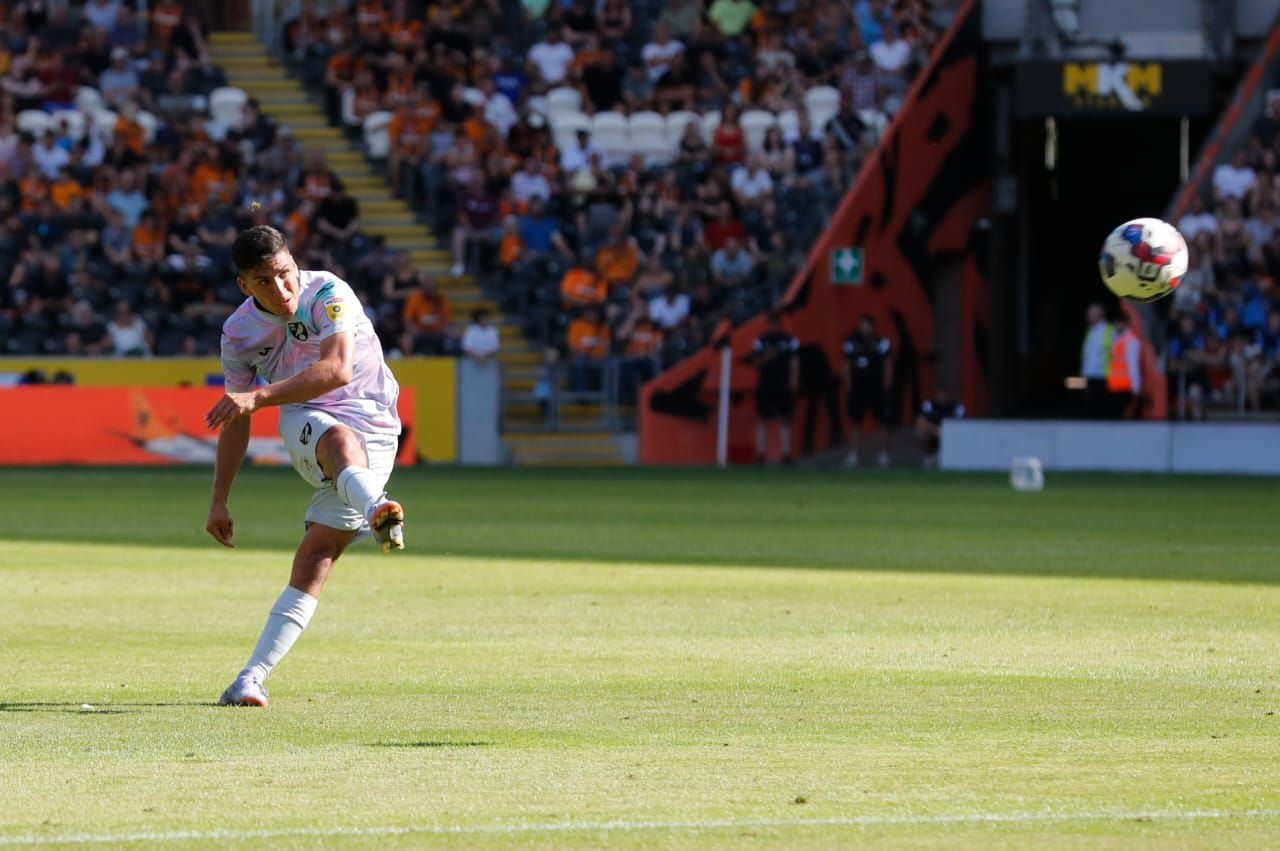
1143 259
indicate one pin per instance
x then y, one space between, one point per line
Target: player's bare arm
334 369
232 444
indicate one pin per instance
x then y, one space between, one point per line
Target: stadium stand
1222 337
649 169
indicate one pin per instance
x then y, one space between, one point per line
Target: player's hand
229 407
219 524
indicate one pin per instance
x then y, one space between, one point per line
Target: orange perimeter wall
913 206
54 424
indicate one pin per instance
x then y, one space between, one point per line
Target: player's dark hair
255 246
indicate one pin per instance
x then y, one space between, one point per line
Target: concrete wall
479 413
1153 447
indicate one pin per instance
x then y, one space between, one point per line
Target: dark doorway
1106 172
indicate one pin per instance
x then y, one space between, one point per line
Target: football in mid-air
1143 259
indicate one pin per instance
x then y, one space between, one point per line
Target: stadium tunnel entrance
1071 181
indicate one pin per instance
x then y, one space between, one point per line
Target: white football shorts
301 428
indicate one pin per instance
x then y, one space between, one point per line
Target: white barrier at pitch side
1131 447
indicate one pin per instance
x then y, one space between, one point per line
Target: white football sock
360 488
289 617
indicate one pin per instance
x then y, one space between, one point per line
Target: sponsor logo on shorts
305 438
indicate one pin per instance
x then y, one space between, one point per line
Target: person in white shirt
49 156
1095 360
657 54
669 309
1234 179
102 14
1198 221
498 110
529 182
551 57
480 341
751 183
892 54
577 157
129 334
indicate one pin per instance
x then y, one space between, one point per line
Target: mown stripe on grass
628 826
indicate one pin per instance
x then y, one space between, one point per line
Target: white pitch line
622 826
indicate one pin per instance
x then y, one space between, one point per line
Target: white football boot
245 691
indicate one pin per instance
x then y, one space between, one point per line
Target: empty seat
822 99
755 123
563 99
676 123
34 121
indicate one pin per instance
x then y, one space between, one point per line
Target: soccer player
304 333
868 376
775 354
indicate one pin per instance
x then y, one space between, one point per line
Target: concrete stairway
248 66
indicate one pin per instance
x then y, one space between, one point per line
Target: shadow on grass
1104 526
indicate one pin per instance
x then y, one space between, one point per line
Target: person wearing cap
119 82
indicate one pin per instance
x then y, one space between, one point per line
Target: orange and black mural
912 210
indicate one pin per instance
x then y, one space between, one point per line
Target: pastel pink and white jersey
256 343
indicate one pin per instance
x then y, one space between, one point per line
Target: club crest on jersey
334 309
298 331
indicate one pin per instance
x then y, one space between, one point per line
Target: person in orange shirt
589 343
426 318
581 286
64 189
618 260
410 131
642 340
371 17
402 31
165 18
149 240
33 189
511 247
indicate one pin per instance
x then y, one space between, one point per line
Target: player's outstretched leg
360 483
320 548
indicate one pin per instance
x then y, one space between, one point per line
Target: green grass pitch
649 658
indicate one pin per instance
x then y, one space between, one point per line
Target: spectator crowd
623 175
1223 334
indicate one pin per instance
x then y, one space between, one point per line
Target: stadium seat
675 124
104 124
818 119
875 120
226 106
822 100
377 141
609 130
562 100
710 121
789 123
646 122
34 121
89 100
71 122
609 123
149 124
755 123
648 133
565 124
